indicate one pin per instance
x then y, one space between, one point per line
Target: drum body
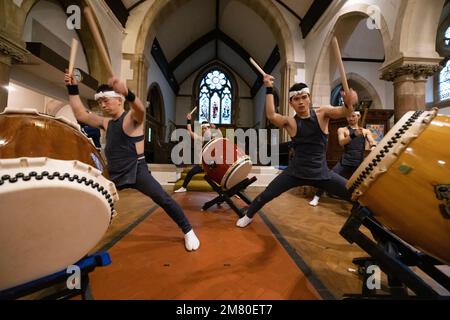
55 200
225 163
405 181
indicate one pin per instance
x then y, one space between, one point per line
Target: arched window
444 82
215 97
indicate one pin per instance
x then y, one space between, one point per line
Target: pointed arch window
447 37
215 97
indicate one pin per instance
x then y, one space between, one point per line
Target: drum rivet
405 169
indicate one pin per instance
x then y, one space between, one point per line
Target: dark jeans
344 171
195 170
148 185
284 182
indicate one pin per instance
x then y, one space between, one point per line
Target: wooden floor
150 261
291 251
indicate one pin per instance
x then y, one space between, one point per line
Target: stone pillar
409 86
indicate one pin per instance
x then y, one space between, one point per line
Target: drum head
52 213
237 172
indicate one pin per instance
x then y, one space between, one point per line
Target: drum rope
61 177
389 145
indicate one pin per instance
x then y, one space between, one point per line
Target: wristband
130 96
73 89
189 121
269 90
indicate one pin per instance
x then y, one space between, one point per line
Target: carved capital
416 70
12 50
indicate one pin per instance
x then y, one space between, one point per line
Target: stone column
409 86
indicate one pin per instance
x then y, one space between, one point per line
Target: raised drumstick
98 39
337 55
73 53
253 62
193 110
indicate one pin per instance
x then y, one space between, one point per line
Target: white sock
315 201
244 221
191 241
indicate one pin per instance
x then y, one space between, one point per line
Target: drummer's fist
118 86
350 98
68 79
189 116
268 80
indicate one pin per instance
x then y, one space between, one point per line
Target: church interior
206 64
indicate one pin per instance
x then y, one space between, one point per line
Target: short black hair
104 88
205 122
298 87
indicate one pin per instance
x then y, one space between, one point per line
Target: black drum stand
394 257
226 195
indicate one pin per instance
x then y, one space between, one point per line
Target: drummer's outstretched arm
189 127
277 119
80 112
137 107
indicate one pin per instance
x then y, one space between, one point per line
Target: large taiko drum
56 202
225 163
405 181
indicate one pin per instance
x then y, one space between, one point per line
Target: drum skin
33 136
403 198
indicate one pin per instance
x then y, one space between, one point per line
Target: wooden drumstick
253 62
193 110
337 55
363 120
98 39
73 53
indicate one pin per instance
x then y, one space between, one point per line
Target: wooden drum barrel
405 182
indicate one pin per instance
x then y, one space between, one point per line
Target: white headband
357 113
107 94
294 93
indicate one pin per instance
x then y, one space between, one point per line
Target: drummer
205 137
125 146
353 138
309 133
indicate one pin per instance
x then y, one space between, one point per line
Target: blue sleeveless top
310 145
120 151
354 151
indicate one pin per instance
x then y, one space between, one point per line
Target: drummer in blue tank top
309 133
353 139
125 146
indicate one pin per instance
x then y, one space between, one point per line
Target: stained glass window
444 82
215 98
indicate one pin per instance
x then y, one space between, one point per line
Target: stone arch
368 87
416 40
155 119
326 65
95 64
